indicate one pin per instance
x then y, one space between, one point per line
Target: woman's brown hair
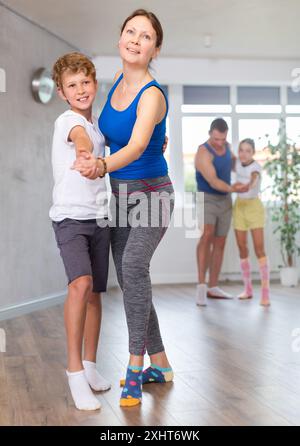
154 22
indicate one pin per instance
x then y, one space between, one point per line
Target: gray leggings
141 210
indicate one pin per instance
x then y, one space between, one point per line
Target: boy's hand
86 165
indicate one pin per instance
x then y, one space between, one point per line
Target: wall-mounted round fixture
43 86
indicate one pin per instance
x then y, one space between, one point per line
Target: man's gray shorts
218 212
84 248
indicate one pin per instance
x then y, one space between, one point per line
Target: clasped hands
88 166
240 187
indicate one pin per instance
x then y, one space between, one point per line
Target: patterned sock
156 374
246 274
265 280
132 391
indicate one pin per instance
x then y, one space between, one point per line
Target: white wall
30 266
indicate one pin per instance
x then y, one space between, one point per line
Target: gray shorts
84 249
218 212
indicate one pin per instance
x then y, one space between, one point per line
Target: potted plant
283 167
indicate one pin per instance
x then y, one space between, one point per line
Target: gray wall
30 266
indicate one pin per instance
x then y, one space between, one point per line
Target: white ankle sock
83 397
218 292
201 292
95 380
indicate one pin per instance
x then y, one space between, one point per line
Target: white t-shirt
243 175
75 196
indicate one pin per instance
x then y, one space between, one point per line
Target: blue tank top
117 128
222 164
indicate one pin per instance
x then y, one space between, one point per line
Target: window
293 129
208 108
206 99
293 101
261 130
258 95
257 116
258 100
206 95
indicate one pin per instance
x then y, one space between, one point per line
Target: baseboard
12 311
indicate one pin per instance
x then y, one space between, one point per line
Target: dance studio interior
224 281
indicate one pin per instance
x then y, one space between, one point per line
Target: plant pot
289 276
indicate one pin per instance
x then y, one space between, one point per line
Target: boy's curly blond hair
74 62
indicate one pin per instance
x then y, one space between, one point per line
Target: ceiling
267 29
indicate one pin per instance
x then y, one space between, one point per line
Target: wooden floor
233 362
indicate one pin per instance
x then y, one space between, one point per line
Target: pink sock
246 274
265 280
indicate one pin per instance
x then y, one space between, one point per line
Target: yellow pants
248 213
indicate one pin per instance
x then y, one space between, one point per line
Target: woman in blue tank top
133 122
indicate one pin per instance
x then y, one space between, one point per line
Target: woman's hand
87 165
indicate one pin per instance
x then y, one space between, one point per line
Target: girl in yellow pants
249 215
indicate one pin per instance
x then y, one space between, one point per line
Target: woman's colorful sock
156 374
132 391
